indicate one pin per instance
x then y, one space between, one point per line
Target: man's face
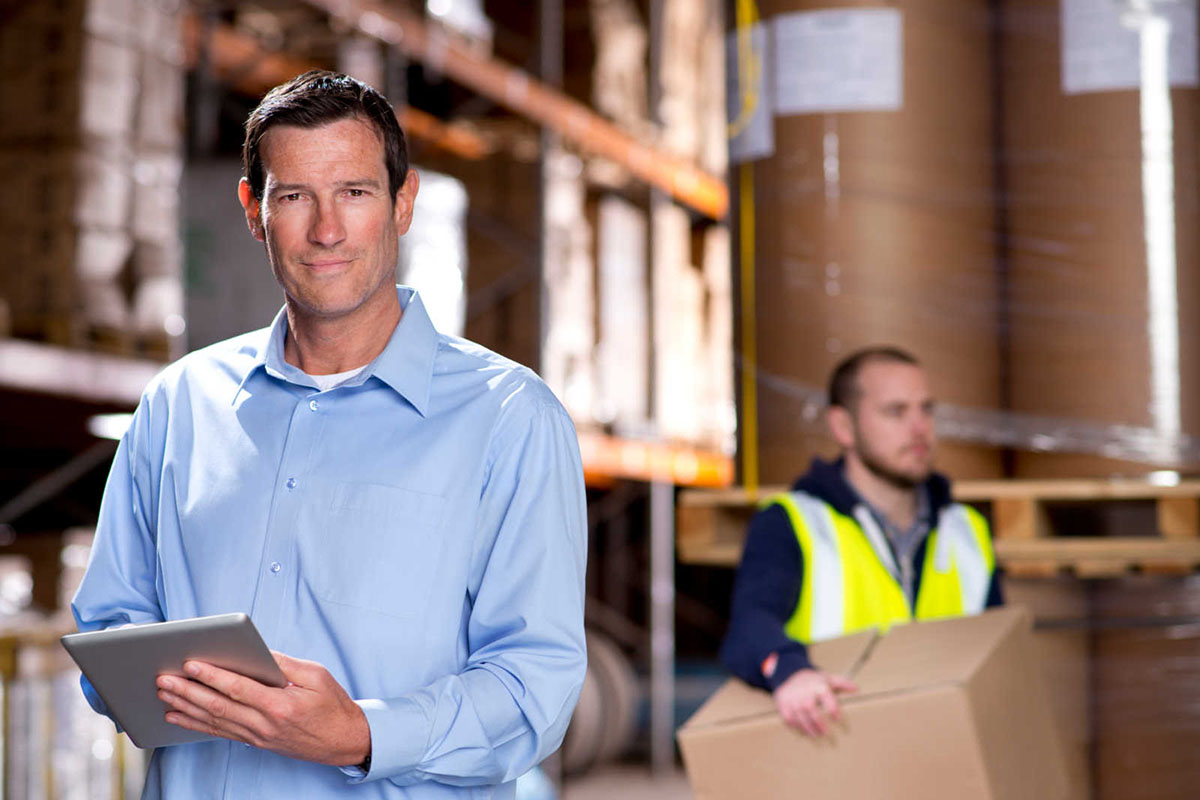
892 423
330 227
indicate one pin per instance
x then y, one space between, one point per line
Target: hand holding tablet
123 664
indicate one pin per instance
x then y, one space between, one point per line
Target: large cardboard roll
876 227
1079 311
1146 642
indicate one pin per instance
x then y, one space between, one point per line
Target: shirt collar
923 518
405 365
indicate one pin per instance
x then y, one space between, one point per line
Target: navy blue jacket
767 587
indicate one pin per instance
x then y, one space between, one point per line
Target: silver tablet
123 663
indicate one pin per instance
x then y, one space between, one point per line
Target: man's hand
312 718
808 700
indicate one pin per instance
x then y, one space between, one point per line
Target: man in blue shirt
399 511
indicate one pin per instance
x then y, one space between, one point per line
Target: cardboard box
951 709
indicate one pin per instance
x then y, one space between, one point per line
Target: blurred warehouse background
682 214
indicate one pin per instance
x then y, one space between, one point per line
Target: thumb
296 670
842 684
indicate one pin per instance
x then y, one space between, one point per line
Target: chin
921 475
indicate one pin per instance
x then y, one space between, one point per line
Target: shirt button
276 566
313 405
291 483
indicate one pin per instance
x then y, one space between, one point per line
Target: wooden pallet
711 525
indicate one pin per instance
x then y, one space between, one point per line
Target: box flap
933 653
843 655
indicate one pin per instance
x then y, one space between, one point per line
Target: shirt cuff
790 662
399 734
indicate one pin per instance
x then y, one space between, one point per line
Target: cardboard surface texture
950 709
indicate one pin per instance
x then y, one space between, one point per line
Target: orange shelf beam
240 61
521 93
606 458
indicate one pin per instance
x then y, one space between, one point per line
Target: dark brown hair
843 384
317 98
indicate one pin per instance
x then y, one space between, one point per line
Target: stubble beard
892 477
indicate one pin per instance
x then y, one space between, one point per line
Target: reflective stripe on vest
958 565
847 587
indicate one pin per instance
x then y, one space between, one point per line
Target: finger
222 731
192 717
791 714
795 719
238 688
182 720
297 670
842 684
813 724
215 708
184 706
828 703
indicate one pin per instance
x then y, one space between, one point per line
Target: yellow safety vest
851 581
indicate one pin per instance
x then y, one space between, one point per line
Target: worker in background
870 540
399 511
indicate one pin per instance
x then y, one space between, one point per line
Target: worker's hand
807 700
312 718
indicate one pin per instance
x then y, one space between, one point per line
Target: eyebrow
285 188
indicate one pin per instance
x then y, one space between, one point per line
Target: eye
356 192
290 198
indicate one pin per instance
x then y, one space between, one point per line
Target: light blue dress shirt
419 530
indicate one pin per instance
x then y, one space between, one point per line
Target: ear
253 208
406 197
841 426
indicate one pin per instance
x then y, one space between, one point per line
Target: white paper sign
1101 47
748 101
839 60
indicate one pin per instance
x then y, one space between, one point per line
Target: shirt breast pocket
382 551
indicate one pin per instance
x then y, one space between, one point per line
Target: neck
326 346
897 503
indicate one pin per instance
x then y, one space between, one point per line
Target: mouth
323 264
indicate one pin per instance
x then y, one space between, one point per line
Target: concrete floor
627 783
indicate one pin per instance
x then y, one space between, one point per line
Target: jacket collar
827 481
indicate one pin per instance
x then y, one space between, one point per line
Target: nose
327 229
923 423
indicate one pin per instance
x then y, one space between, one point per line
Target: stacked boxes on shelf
91 139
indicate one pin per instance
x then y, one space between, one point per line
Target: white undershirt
327 382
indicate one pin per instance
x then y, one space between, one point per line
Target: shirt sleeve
508 709
765 593
120 585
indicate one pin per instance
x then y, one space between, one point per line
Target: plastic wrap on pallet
1011 429
1006 189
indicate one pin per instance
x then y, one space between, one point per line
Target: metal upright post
662 504
550 31
550 67
662 626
